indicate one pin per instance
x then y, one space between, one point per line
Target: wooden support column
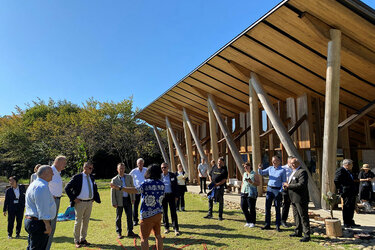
255 138
198 143
172 167
283 135
331 114
177 145
227 134
213 134
189 151
343 140
161 145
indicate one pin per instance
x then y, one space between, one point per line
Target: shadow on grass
230 236
216 227
63 239
182 242
93 219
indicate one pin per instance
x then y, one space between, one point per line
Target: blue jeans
37 238
269 198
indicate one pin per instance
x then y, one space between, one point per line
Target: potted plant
333 225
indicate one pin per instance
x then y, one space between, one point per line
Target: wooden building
299 81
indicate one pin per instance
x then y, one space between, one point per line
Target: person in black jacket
170 190
346 187
14 204
298 192
82 191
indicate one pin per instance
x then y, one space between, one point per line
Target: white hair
42 169
346 162
140 159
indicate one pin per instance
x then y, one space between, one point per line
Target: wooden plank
304 139
331 114
213 133
189 151
243 127
343 139
173 166
291 113
354 117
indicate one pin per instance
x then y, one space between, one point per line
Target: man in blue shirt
40 209
277 177
170 189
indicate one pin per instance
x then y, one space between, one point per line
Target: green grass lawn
196 232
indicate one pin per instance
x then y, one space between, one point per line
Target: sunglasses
163 167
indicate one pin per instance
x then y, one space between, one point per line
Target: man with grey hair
138 175
345 185
40 209
56 187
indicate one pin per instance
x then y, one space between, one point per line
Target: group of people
158 189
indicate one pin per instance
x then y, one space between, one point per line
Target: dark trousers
181 200
37 238
248 208
203 183
170 200
269 199
301 218
220 199
127 206
136 205
15 214
348 209
286 206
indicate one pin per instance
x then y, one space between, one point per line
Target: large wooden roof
287 48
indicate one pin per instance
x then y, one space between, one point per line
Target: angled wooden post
177 145
189 150
331 113
195 136
227 134
161 145
172 167
283 135
213 134
255 138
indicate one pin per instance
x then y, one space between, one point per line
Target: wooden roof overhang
287 48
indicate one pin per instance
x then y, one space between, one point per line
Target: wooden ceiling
287 48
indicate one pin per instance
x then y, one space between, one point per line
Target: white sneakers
249 225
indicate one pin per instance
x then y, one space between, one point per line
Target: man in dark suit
345 185
170 190
299 197
82 191
14 204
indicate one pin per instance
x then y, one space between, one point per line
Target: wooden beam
255 139
271 130
189 151
191 112
177 145
242 133
234 135
331 114
172 167
283 135
354 117
226 133
213 133
297 124
349 45
161 145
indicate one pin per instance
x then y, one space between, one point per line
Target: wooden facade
310 65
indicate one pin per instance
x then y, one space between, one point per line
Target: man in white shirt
138 175
55 187
285 195
82 191
202 172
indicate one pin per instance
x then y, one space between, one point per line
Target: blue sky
110 50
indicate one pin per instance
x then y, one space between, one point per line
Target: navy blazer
10 197
344 182
73 188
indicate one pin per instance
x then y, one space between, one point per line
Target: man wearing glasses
82 191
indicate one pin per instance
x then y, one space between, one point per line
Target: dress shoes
120 236
278 229
284 224
266 227
208 216
221 218
132 234
176 232
355 225
295 235
84 243
77 245
305 239
166 231
135 223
